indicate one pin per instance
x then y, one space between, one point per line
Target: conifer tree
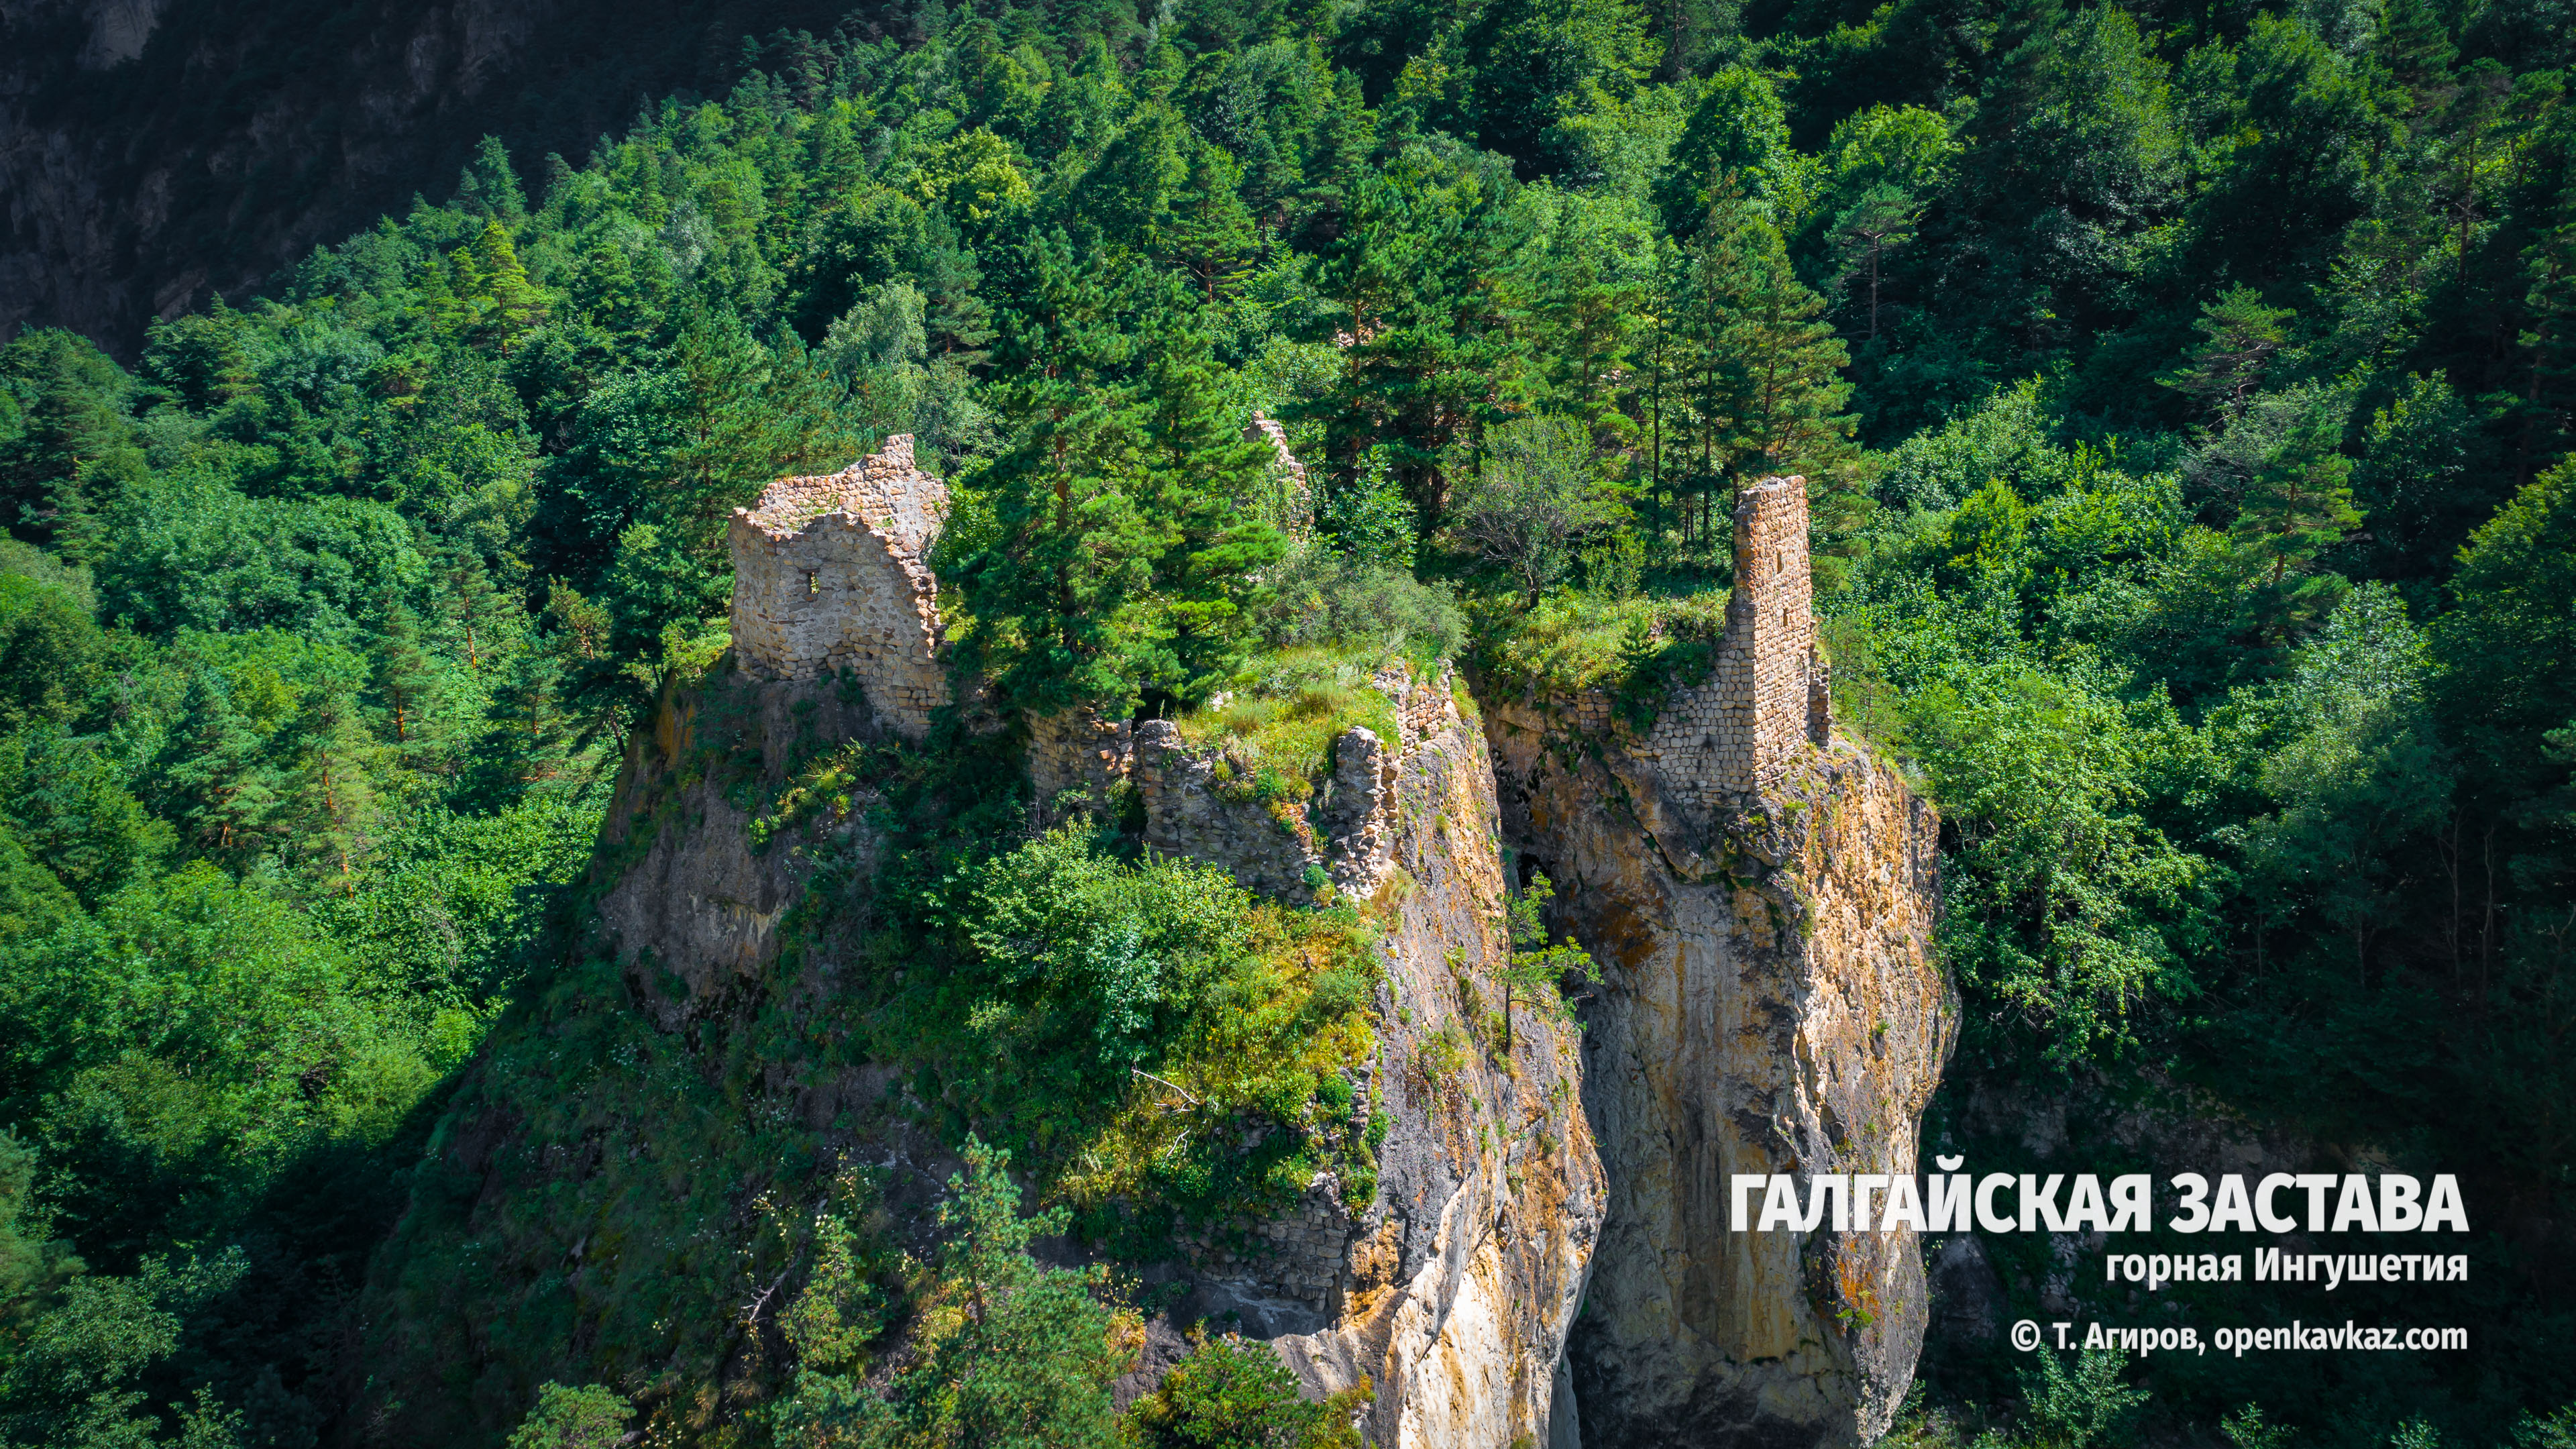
743 415
1063 599
2414 46
472 606
1762 370
489 185
1708 382
401 675
216 782
1880 221
1790 417
531 730
1007 1351
505 302
201 358
74 447
1209 234
330 799
2239 335
1205 477
2298 505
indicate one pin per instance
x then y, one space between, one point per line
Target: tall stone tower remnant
830 575
1762 897
1766 700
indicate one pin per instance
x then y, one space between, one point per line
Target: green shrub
1231 1393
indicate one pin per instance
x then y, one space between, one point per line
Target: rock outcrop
1762 906
1452 1293
1343 837
1545 1236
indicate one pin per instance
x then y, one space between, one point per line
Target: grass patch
1636 650
1278 723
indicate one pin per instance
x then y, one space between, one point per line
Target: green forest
2185 392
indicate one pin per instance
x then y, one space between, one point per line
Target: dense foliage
2185 399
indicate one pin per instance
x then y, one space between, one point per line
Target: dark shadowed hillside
154 153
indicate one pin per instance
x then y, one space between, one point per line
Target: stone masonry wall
1742 730
829 576
1300 502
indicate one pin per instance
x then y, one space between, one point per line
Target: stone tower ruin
1767 699
830 575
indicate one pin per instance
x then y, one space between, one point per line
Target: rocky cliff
565 1189
1455 1288
1761 894
1534 1245
605 1196
1769 1006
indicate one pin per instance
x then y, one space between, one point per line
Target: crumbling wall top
887 491
1298 503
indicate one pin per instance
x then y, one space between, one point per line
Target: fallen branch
1175 1086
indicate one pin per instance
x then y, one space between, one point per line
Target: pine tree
1205 475
1791 418
531 730
1063 600
2414 45
216 783
2297 506
74 447
2472 151
505 302
745 414
581 624
2239 335
1880 221
1209 234
1005 1351
1026 1357
489 185
401 672
1575 302
1708 382
330 796
472 606
1761 373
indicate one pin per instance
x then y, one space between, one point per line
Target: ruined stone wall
1347 830
830 576
1764 702
1298 507
1077 750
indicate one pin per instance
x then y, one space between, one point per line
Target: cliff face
1546 1236
1450 1292
595 1201
1761 897
1769 1005
1453 1292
